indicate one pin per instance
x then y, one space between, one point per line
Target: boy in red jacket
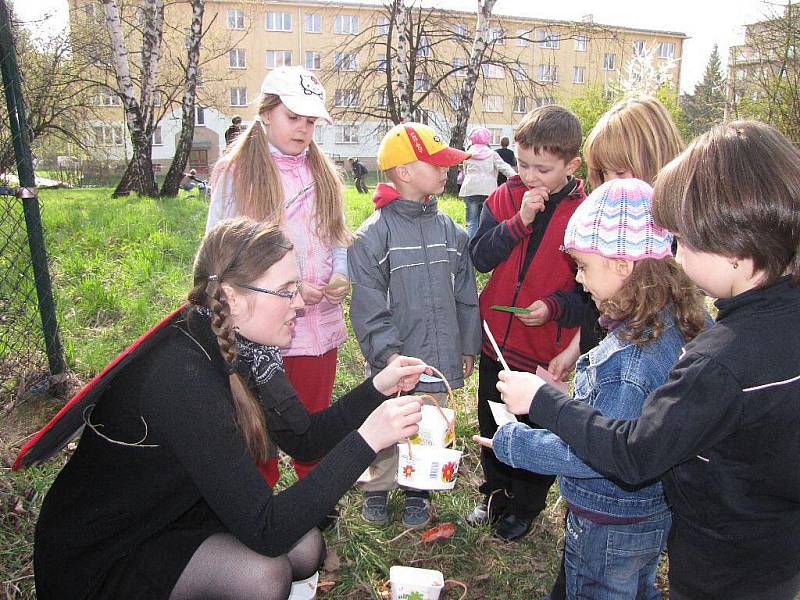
519 236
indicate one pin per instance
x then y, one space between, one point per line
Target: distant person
507 154
191 180
234 130
359 174
480 176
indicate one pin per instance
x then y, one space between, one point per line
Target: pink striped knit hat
616 221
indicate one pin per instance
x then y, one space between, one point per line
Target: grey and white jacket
414 289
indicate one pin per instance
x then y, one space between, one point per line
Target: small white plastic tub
410 583
305 589
427 467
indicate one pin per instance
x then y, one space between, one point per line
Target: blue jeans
614 562
473 212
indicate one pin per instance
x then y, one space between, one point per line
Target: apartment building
538 61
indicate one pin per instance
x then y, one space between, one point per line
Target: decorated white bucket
427 467
305 589
434 428
410 583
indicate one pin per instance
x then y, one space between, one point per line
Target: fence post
28 193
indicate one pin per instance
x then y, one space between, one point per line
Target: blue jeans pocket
629 552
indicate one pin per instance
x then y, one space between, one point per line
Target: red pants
312 377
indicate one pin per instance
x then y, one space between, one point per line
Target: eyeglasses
280 293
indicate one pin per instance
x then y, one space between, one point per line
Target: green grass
118 266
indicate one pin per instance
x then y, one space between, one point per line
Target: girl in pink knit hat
651 309
480 175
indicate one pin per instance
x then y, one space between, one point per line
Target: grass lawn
118 266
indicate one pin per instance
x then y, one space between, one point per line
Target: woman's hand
400 375
337 288
310 294
517 390
394 420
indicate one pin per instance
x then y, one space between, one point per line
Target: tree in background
706 106
767 81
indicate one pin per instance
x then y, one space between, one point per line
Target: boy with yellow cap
413 289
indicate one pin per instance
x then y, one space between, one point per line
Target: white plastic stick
494 345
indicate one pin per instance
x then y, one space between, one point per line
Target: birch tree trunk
458 132
184 146
401 62
139 176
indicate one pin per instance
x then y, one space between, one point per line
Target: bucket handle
450 422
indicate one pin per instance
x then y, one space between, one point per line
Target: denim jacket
616 378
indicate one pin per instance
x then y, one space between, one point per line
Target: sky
705 22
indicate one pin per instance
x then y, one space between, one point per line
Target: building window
278 21
313 60
609 61
383 98
666 50
581 43
422 82
522 37
200 81
548 39
383 25
313 23
157 140
235 19
345 61
108 99
496 35
278 58
345 98
492 104
638 47
520 72
108 135
424 47
319 134
459 66
545 101
520 104
346 24
199 116
381 62
455 101
346 134
578 74
460 30
497 135
239 96
491 71
548 73
237 58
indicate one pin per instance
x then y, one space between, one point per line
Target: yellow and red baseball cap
409 142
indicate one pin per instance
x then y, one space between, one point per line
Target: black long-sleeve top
175 404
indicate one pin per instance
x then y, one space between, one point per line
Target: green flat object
512 309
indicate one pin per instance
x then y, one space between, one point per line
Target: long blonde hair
257 189
236 251
636 135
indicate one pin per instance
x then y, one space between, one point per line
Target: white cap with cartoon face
300 90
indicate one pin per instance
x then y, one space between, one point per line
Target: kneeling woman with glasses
162 498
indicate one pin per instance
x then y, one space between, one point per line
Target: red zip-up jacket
501 243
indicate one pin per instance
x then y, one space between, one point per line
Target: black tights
222 567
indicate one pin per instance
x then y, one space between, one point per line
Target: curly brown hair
653 285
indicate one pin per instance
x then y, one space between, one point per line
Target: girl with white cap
275 171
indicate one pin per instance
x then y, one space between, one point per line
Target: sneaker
375 508
512 527
416 511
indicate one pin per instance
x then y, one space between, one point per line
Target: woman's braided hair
236 251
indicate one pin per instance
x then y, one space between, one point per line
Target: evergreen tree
706 107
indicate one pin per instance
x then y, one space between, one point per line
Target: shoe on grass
416 511
375 509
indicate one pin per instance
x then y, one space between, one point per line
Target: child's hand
310 294
533 203
564 362
517 390
483 441
337 288
400 375
538 314
469 365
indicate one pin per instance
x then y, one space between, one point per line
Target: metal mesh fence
23 361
